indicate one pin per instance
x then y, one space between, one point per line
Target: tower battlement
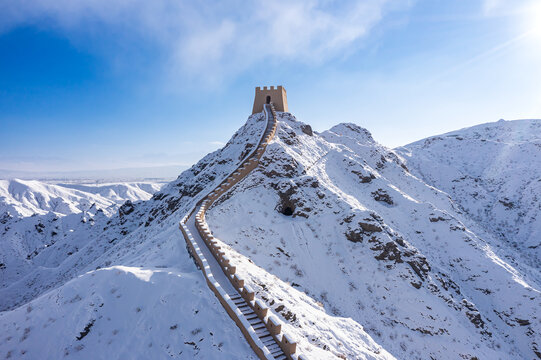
277 95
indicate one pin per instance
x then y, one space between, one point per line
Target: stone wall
272 323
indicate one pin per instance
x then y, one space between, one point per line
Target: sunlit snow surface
373 243
493 171
28 197
374 262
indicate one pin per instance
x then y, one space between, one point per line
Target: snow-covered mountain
362 259
88 286
27 197
374 243
493 172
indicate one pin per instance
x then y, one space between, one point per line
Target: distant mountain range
107 175
27 197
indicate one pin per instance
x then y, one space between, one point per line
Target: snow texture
28 197
493 172
363 252
341 219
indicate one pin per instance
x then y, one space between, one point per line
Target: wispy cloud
505 7
210 40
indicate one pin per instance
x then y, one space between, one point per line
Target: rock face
373 243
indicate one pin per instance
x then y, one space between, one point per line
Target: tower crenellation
275 94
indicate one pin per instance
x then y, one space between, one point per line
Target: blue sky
95 84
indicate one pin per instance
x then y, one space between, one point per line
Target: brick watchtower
277 96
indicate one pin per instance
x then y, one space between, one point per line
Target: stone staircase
262 330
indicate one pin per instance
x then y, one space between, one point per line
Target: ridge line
221 274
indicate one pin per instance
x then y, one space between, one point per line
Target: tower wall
278 97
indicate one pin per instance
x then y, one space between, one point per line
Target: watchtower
277 96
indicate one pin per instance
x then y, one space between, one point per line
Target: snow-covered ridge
28 197
342 219
493 172
70 283
339 236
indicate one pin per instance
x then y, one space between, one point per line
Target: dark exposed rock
522 322
365 229
348 219
86 330
420 266
287 204
247 148
507 203
354 236
382 196
126 208
292 201
289 137
197 168
158 196
391 156
173 204
364 178
381 163
370 227
389 251
473 314
447 283
282 167
5 217
39 227
307 129
288 315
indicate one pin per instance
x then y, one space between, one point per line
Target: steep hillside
341 219
493 171
90 286
27 197
358 256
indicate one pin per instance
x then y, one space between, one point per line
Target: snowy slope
493 171
91 286
124 312
28 197
341 218
363 260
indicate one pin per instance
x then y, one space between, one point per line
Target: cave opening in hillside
287 211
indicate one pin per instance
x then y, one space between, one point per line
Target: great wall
260 327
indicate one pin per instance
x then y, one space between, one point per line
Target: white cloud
208 41
505 7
